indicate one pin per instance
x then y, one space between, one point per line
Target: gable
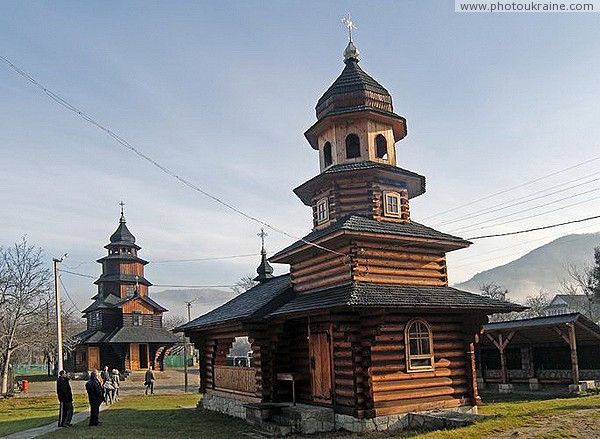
137 305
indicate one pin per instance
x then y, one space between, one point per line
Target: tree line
28 311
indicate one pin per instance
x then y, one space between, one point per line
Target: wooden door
320 366
143 356
93 357
134 356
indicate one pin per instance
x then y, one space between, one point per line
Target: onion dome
353 90
122 235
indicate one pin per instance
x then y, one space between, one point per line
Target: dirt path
584 423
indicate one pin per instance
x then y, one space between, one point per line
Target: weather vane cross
262 236
347 21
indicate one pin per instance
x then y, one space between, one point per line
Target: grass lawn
163 416
159 416
18 414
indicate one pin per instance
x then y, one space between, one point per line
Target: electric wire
68 295
474 226
66 104
517 201
495 194
534 229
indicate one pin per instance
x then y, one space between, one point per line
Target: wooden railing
239 379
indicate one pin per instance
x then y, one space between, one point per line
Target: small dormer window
392 203
327 156
352 146
137 318
322 210
381 150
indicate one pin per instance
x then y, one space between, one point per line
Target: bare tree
244 284
537 305
172 321
493 291
585 281
25 286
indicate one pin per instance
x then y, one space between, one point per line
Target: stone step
285 421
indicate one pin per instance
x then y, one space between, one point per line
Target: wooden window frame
416 356
395 195
327 154
322 206
353 146
137 318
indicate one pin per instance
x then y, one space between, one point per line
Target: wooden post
503 371
472 374
573 346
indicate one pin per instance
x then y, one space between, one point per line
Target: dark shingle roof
536 322
134 334
355 83
368 295
109 301
358 223
253 303
122 235
131 278
128 334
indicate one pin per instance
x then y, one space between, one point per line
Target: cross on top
262 236
347 21
122 211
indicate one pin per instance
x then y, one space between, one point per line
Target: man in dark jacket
65 396
95 396
149 381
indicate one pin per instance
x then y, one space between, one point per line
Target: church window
129 290
322 210
327 156
381 147
392 203
419 345
352 146
137 318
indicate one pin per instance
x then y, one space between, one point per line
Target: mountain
542 268
203 300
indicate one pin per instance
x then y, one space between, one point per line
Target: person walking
116 380
105 383
149 381
95 396
65 397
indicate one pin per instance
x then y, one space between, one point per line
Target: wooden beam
573 346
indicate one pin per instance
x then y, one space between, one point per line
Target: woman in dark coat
95 396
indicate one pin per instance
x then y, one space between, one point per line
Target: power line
68 295
216 258
472 226
495 194
504 206
66 104
78 274
534 229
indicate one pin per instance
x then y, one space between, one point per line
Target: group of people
101 388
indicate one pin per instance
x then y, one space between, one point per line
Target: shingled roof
254 303
353 88
369 295
127 334
356 223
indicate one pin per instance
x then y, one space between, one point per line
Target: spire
264 270
351 53
122 219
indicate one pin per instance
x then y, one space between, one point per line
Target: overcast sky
221 94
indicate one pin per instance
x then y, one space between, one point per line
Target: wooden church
124 325
365 324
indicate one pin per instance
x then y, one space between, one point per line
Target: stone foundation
228 406
431 420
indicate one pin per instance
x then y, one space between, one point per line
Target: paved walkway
168 382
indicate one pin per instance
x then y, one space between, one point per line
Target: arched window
381 147
327 154
419 345
352 146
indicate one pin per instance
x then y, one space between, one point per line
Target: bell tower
362 229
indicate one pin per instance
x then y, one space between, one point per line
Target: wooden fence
239 379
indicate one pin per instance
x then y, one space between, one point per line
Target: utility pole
59 356
185 346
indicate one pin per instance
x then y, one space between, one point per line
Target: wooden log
424 383
402 395
331 281
418 405
398 280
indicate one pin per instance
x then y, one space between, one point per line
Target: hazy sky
222 92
